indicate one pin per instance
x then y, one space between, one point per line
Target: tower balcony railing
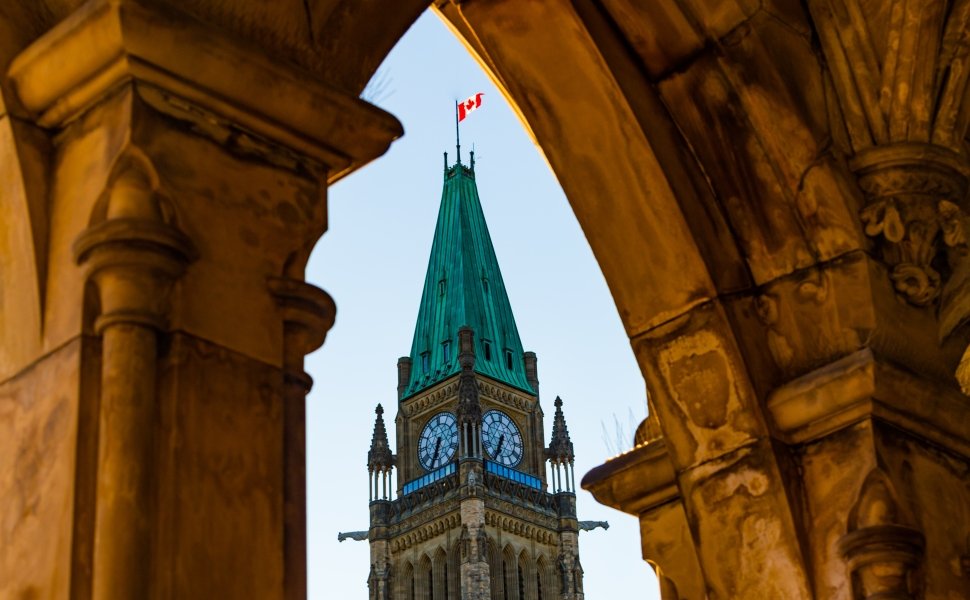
429 478
517 476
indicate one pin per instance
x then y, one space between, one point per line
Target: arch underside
756 190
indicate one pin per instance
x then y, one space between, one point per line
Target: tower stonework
474 516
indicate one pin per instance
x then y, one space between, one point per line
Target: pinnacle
380 450
560 446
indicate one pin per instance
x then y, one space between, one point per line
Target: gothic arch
510 587
525 576
771 212
424 577
406 588
495 568
440 568
454 570
545 580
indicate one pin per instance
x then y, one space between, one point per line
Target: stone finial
379 457
560 447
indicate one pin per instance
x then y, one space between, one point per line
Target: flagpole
457 136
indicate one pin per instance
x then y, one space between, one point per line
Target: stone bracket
860 386
636 481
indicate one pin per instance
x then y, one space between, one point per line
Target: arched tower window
439 583
453 589
524 570
495 568
424 576
541 573
406 582
509 575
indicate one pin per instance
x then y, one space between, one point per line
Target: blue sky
373 261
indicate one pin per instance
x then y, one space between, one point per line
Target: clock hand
437 448
498 448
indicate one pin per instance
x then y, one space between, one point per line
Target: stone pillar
308 313
132 256
379 578
475 577
186 179
568 566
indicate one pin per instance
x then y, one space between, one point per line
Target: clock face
438 441
501 438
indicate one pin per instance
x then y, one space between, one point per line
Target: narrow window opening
441 287
521 583
508 359
430 584
446 350
425 361
485 284
447 584
487 346
505 578
538 585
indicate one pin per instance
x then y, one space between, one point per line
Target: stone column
308 314
132 256
187 185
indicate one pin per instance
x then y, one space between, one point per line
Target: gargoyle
591 525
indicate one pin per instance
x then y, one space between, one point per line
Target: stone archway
775 192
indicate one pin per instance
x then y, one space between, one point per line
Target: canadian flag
469 105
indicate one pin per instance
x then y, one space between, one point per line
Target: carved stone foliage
883 553
900 74
915 195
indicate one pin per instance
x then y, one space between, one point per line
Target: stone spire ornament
560 452
380 459
379 455
560 446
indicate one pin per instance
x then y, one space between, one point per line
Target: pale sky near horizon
373 262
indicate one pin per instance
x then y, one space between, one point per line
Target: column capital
131 251
198 71
308 312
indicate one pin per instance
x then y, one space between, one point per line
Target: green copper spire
464 287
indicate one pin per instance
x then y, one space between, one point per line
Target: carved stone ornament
915 195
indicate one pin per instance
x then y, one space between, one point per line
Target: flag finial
461 111
457 135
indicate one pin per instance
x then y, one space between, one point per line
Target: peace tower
472 518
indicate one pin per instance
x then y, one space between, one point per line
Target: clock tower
464 508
